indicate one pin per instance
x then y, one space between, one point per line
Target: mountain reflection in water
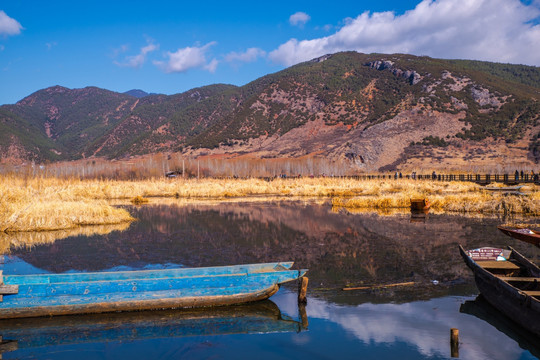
340 249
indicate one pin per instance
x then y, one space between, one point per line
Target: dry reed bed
454 197
51 203
12 188
47 204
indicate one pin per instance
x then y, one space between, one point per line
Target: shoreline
46 204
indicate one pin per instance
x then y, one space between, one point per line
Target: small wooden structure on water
420 205
78 293
509 282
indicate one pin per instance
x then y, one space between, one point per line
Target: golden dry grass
28 204
458 197
47 204
139 200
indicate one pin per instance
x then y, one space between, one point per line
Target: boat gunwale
126 275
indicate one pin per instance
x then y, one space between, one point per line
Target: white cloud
120 50
9 26
249 55
212 66
50 45
492 30
299 19
136 61
188 58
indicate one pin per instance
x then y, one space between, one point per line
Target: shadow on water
54 333
483 310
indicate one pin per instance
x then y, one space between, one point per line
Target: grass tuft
138 200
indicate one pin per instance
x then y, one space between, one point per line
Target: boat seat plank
531 293
502 265
519 278
8 289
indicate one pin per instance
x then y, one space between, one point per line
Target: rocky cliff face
374 112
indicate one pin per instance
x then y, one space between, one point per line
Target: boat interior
516 274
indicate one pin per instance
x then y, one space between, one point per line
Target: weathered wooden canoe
126 327
527 235
78 293
509 282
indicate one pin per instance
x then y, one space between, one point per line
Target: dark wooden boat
509 282
419 204
523 234
82 293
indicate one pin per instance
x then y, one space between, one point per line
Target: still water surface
340 249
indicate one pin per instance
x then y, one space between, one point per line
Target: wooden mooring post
303 315
302 290
454 342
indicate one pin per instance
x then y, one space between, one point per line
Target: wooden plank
531 293
9 289
518 278
378 286
502 265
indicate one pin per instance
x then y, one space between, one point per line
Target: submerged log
378 286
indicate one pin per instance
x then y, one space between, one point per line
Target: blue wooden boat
79 293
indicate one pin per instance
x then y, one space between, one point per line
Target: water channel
341 250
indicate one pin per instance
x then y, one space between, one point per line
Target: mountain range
374 111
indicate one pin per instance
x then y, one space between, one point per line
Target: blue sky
173 46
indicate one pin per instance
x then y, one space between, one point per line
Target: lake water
339 248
